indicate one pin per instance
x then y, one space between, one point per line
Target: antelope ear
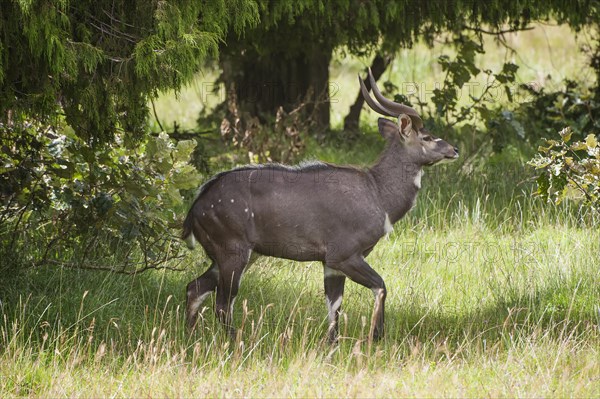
387 128
405 124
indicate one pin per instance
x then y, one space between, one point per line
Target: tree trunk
378 67
265 82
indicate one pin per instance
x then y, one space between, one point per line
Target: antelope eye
427 138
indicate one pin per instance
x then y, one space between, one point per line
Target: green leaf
160 147
135 188
591 141
566 134
183 150
186 177
579 146
174 196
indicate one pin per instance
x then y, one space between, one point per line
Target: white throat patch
387 225
417 180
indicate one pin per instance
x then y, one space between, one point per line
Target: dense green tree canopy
79 176
100 60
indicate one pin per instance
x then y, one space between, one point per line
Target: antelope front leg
377 321
334 290
359 271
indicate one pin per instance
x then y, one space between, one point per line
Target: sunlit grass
485 298
492 292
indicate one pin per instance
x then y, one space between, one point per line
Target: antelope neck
397 177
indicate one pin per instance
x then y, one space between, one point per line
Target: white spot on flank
252 214
387 225
203 214
417 180
212 206
246 210
232 201
219 199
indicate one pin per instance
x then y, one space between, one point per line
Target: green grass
491 292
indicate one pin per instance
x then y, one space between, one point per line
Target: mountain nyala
332 214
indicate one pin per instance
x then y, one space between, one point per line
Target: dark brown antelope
312 212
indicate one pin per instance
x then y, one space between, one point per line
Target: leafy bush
495 122
546 112
531 112
111 207
570 169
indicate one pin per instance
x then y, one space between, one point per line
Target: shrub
111 207
569 169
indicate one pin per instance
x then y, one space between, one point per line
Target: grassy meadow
491 293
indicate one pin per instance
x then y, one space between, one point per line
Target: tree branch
498 32
118 270
156 115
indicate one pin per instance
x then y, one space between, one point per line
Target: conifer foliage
99 61
82 183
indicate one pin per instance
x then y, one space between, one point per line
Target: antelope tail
188 231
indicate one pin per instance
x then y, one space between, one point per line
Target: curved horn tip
371 77
373 104
398 108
